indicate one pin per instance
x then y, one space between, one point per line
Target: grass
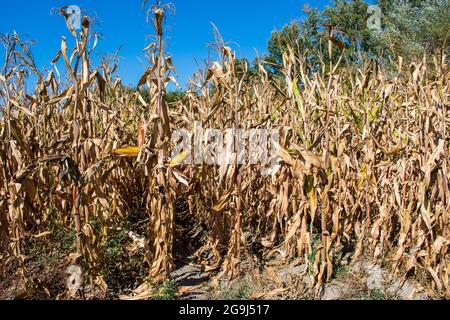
65 238
339 271
114 244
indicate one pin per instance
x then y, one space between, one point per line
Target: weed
165 291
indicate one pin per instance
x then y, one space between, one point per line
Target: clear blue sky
247 23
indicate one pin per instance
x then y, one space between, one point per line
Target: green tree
409 28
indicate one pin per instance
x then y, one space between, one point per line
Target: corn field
363 160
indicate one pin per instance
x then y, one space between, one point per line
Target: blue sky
247 24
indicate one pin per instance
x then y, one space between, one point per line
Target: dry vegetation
364 164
